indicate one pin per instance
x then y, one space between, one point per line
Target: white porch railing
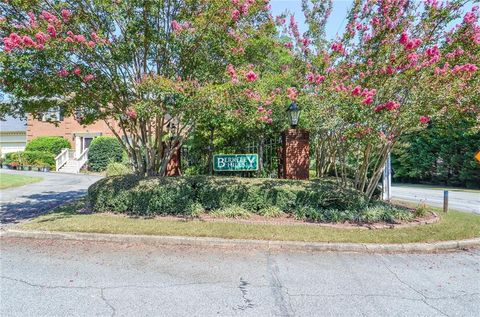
68 155
61 159
82 160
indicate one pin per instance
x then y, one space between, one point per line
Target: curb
264 245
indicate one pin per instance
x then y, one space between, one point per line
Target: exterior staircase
67 162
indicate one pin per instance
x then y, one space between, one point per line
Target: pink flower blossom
131 113
88 77
176 27
32 20
94 36
470 17
465 68
319 79
337 47
51 30
41 37
424 119
288 45
235 15
91 44
68 39
357 91
403 38
66 14
12 41
63 73
392 105
251 76
367 100
292 93
47 16
27 41
77 71
310 77
79 38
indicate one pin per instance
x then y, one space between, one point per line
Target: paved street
66 278
459 200
25 202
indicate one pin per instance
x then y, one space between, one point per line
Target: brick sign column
295 154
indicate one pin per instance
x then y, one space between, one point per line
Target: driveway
463 200
68 278
32 200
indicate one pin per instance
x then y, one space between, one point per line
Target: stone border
264 245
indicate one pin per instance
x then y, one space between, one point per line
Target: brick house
52 123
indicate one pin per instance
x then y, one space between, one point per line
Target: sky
337 20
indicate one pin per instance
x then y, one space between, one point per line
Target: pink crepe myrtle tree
144 68
398 65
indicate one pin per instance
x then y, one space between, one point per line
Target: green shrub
317 200
31 158
117 169
174 195
134 195
102 151
50 144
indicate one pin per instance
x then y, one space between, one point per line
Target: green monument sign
235 162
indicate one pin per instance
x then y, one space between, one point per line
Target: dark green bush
31 158
142 196
149 196
102 151
50 144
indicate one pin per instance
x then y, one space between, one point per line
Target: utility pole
387 180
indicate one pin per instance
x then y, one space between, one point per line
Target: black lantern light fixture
293 112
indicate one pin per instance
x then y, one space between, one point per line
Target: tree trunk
210 152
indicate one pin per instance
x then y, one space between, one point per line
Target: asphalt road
67 278
25 202
459 200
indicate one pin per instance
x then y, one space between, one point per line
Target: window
53 114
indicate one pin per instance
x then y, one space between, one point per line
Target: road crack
424 297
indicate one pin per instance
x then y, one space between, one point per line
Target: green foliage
31 158
50 144
441 154
271 212
102 151
134 195
317 200
234 211
117 169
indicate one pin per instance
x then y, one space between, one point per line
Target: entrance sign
235 162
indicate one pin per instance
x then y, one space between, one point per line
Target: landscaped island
234 197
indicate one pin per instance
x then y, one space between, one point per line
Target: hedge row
50 144
176 195
31 158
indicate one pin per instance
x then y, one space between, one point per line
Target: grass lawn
452 226
14 180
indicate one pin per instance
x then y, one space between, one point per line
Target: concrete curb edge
266 245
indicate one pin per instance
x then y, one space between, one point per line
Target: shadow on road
35 205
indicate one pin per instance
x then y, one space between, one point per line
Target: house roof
13 124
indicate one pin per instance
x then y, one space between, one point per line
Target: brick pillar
295 154
174 165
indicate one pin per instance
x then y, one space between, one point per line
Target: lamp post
293 112
295 148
